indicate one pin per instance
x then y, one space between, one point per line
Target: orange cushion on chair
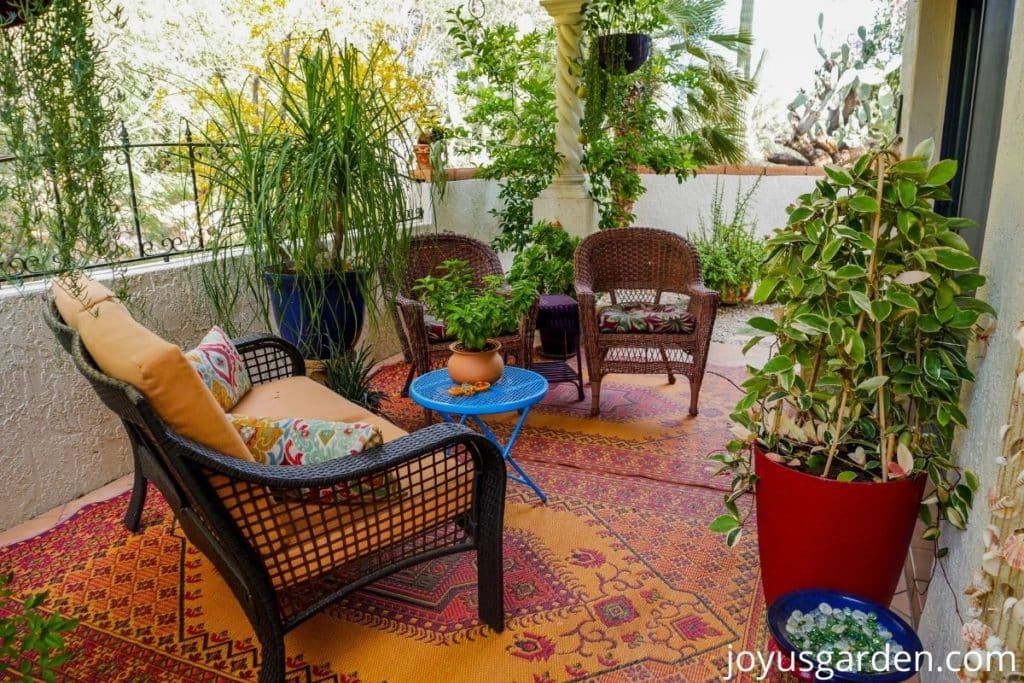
127 351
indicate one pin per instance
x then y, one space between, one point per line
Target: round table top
517 389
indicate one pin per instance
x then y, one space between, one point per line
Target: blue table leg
506 450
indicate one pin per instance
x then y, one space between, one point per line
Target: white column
567 200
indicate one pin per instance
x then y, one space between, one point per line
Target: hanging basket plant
14 12
623 53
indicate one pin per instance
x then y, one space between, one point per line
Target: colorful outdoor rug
617 579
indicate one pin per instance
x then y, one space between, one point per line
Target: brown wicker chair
423 350
285 557
635 267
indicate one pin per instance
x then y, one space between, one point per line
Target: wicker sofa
284 556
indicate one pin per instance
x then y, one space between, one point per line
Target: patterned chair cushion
437 331
298 441
644 318
221 368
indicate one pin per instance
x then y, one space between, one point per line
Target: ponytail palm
312 181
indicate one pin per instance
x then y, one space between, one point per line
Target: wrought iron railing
150 237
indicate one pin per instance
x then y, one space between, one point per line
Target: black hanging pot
12 12
623 53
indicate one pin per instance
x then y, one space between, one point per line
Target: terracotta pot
423 156
469 367
822 533
733 296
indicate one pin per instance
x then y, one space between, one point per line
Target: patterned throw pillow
221 368
297 441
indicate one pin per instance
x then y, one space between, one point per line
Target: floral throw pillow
221 368
297 441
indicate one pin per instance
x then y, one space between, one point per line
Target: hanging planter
623 53
12 14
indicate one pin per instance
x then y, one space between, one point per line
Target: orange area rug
616 579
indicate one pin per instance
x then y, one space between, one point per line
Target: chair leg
595 397
694 395
138 500
491 584
668 366
408 380
273 665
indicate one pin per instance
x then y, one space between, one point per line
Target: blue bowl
808 601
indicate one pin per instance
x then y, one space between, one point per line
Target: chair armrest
339 470
268 358
703 302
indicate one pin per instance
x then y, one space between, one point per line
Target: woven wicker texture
285 543
426 253
643 265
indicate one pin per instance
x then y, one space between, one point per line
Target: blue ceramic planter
317 314
808 601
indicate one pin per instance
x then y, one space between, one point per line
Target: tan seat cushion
302 397
337 534
127 351
74 295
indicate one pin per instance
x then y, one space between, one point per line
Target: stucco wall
667 204
59 441
989 400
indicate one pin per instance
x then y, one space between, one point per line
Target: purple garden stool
558 320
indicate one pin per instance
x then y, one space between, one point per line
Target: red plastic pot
821 533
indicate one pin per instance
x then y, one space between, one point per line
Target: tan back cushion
127 351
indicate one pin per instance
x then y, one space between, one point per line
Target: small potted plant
428 145
730 250
547 262
473 315
856 409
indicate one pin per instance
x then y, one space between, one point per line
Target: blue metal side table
518 390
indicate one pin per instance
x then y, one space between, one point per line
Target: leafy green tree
507 84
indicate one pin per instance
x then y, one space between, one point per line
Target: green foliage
681 110
507 83
55 120
31 644
730 251
475 314
319 183
548 259
876 312
853 104
349 374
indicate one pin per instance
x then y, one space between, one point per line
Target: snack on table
468 389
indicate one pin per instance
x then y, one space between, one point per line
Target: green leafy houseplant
681 110
55 119
316 187
730 250
474 315
31 644
547 260
870 353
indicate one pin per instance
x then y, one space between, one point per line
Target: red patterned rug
617 579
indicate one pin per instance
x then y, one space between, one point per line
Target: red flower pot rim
759 449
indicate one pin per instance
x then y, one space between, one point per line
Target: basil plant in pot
313 184
852 418
474 315
547 260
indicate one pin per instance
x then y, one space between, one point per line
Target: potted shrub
547 262
473 315
730 250
855 411
315 189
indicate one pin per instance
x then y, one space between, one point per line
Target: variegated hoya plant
876 308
